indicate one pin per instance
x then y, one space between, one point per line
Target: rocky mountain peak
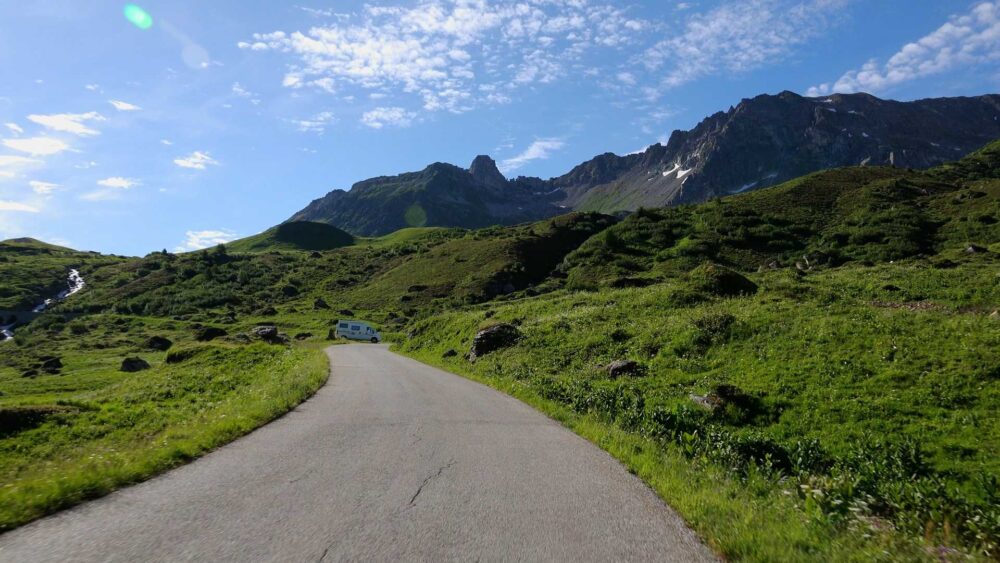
484 170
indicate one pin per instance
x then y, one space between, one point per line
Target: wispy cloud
42 188
317 123
393 116
197 160
964 40
124 106
441 52
74 123
538 150
118 182
238 90
111 188
14 128
197 240
16 206
37 146
739 36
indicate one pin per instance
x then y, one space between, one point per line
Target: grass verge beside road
63 446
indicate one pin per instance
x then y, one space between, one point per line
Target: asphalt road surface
392 460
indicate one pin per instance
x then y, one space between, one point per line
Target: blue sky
225 117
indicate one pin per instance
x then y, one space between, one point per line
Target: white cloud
7 160
11 166
392 116
15 206
441 51
124 106
93 87
739 36
965 40
14 128
166 142
69 122
538 150
316 123
197 160
197 240
118 182
37 146
42 188
239 90
111 188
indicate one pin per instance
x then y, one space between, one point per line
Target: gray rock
494 338
269 334
620 368
207 333
132 365
159 343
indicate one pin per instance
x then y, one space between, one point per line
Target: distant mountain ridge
758 143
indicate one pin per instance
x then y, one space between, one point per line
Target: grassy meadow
815 367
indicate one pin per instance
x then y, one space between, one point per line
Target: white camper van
357 330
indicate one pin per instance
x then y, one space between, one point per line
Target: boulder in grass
208 333
975 249
132 365
320 304
449 353
494 338
159 343
50 364
269 334
303 336
622 368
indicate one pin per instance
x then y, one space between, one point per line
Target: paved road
391 461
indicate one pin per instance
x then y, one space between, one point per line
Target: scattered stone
315 254
267 312
50 364
975 249
132 365
32 372
416 288
620 368
269 334
241 338
320 304
208 333
449 353
158 343
346 312
331 334
494 338
303 336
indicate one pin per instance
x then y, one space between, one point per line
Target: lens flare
139 17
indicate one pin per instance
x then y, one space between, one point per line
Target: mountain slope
858 214
439 195
294 235
771 139
758 143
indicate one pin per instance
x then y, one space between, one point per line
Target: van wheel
374 340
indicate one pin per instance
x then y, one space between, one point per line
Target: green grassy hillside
296 235
849 215
815 367
32 271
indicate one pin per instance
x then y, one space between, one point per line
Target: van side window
343 325
356 327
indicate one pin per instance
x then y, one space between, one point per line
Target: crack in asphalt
430 478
